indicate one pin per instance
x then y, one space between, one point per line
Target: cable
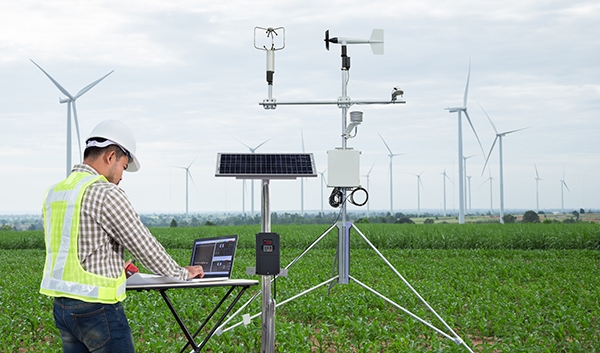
351 198
336 198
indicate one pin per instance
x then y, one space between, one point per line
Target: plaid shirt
108 225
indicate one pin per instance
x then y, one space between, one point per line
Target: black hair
94 152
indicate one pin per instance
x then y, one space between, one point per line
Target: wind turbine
368 186
499 136
445 176
252 150
563 184
461 180
419 184
537 195
70 100
187 175
391 155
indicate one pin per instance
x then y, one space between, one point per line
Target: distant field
504 288
585 217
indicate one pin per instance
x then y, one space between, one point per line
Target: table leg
181 324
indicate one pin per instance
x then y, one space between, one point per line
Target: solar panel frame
265 165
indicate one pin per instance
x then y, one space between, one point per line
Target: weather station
344 177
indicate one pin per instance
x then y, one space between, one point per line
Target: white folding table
163 284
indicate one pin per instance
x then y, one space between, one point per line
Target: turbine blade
489 154
563 182
371 169
537 176
475 132
91 85
250 148
486 114
193 161
255 148
386 145
302 137
193 182
485 181
446 175
60 88
76 128
467 86
510 132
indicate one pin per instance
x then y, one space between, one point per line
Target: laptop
215 255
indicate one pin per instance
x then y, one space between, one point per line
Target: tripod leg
456 338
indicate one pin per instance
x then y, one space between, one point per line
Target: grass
502 288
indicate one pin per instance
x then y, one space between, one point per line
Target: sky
187 80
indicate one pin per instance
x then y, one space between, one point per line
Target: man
88 224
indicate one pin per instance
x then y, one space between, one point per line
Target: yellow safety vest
63 274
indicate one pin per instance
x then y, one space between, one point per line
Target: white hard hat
119 134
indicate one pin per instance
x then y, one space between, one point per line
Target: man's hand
195 271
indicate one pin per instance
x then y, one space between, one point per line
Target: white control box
343 168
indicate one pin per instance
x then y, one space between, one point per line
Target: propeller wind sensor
376 41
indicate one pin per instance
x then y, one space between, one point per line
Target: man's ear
109 156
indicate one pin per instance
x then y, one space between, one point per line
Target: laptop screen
215 255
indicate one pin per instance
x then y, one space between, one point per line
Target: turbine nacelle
457 109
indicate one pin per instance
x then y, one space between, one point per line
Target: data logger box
343 168
268 254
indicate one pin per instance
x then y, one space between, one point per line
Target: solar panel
266 166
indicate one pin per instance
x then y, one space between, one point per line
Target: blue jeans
92 327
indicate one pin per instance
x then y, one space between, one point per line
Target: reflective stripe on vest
63 274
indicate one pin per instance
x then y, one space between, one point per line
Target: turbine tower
461 179
391 155
70 100
368 186
188 175
499 136
252 150
537 194
563 185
